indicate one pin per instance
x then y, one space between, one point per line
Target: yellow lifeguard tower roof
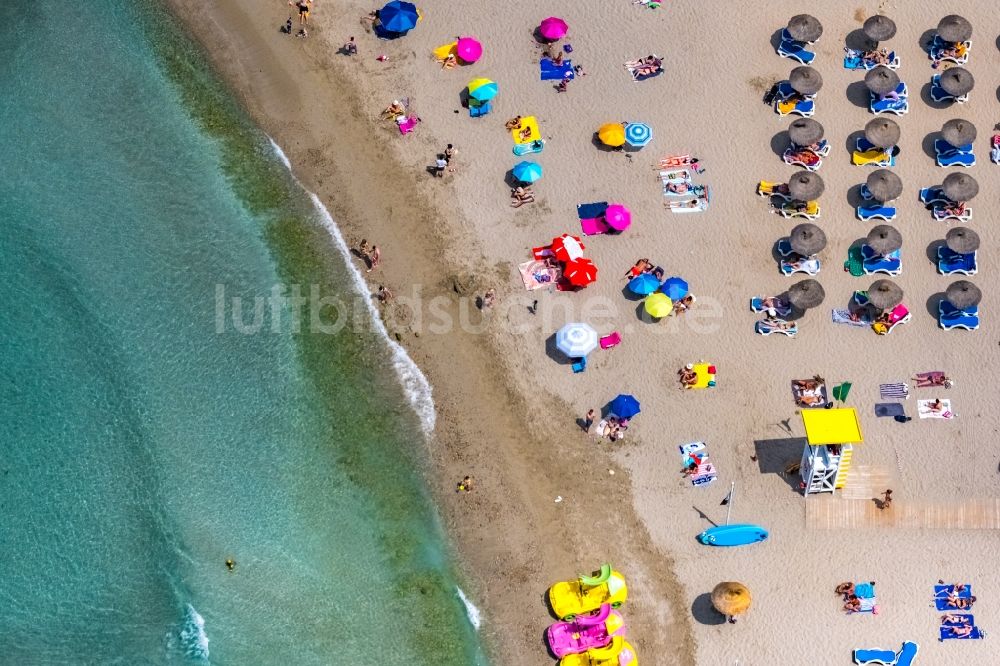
832 426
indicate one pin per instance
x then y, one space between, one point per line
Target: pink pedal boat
586 632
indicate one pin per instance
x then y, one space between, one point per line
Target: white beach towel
925 411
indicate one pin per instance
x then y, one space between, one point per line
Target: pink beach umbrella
469 49
553 28
618 217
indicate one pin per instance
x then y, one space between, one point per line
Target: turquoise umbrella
527 172
483 90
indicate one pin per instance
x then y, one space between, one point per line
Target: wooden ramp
866 482
835 512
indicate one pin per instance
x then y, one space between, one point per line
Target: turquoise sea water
142 447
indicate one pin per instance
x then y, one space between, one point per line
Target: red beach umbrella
567 248
581 272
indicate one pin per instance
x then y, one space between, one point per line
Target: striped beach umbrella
638 135
482 90
527 172
576 340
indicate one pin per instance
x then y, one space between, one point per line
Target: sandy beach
507 402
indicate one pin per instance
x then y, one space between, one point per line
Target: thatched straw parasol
882 132
806 294
805 28
884 185
885 294
962 240
805 186
884 239
879 28
807 239
881 80
963 294
805 132
960 187
958 132
731 598
954 28
957 81
805 80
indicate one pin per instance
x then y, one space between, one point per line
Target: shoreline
509 530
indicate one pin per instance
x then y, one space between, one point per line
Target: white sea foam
194 640
415 384
475 617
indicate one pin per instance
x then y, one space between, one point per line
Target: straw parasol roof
806 294
954 28
957 81
805 28
805 132
882 132
805 80
885 294
960 187
884 239
958 132
805 186
879 28
731 598
884 185
962 240
963 294
807 239
881 80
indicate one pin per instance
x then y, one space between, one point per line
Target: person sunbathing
955 619
955 601
640 267
954 50
876 56
772 303
770 189
687 376
930 379
658 273
958 632
449 61
845 589
891 96
803 155
520 196
524 134
394 110
957 209
778 324
514 123
683 305
798 262
936 406
853 604
678 188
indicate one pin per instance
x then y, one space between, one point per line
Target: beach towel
675 161
550 71
942 592
889 409
542 252
529 123
925 412
408 125
611 340
897 391
536 275
591 210
844 317
594 226
818 392
904 657
697 453
946 635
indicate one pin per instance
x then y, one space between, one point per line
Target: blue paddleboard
733 535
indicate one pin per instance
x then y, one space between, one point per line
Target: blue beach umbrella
625 406
398 16
675 288
638 135
527 172
643 284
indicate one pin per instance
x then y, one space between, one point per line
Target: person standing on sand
303 7
449 155
886 500
374 259
465 485
364 251
588 421
350 47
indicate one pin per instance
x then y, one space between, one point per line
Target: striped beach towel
899 391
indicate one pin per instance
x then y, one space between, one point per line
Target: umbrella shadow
600 145
774 250
537 35
925 39
704 612
928 144
932 303
854 196
859 41
643 316
776 39
780 142
776 456
553 352
925 96
631 295
932 251
512 181
463 98
859 95
852 141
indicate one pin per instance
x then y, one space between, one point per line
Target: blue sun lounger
933 195
553 72
900 106
876 211
876 263
854 61
950 317
782 309
942 146
940 95
955 158
796 51
938 46
887 657
950 263
765 329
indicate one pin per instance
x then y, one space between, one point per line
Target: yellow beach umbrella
659 305
482 89
731 598
612 134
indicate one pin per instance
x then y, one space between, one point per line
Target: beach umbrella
804 28
806 294
731 598
527 172
958 132
879 28
805 186
807 239
553 28
884 185
805 80
625 406
954 28
957 81
638 135
675 288
612 134
658 305
580 272
885 294
881 80
576 340
963 294
960 187
482 90
805 132
567 248
469 49
398 16
643 284
618 217
882 132
962 240
884 239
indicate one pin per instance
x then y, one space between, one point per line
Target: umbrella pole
729 507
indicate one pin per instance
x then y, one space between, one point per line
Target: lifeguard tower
831 435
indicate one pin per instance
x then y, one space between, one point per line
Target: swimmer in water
231 564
